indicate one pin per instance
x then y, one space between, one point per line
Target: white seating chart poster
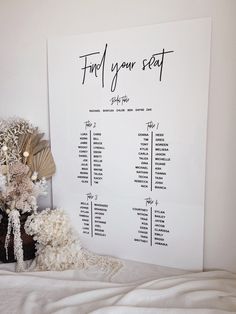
128 118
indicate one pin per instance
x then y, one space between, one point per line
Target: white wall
26 24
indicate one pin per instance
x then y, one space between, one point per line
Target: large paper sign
128 128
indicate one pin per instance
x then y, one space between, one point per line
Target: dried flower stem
7 167
14 225
7 239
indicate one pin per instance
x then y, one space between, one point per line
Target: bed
135 288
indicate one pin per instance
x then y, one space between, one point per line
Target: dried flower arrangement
26 163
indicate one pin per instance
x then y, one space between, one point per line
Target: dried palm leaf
36 138
43 164
32 144
28 146
40 146
22 141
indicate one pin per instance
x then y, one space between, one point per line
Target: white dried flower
58 246
14 224
26 154
3 182
34 176
41 187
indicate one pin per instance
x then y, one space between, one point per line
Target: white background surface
24 28
179 104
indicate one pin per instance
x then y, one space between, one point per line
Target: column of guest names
152 224
153 156
93 216
91 155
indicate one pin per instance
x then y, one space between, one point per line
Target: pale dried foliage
20 192
10 131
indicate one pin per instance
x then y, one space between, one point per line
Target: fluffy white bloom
58 246
50 227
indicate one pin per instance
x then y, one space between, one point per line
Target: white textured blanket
137 288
